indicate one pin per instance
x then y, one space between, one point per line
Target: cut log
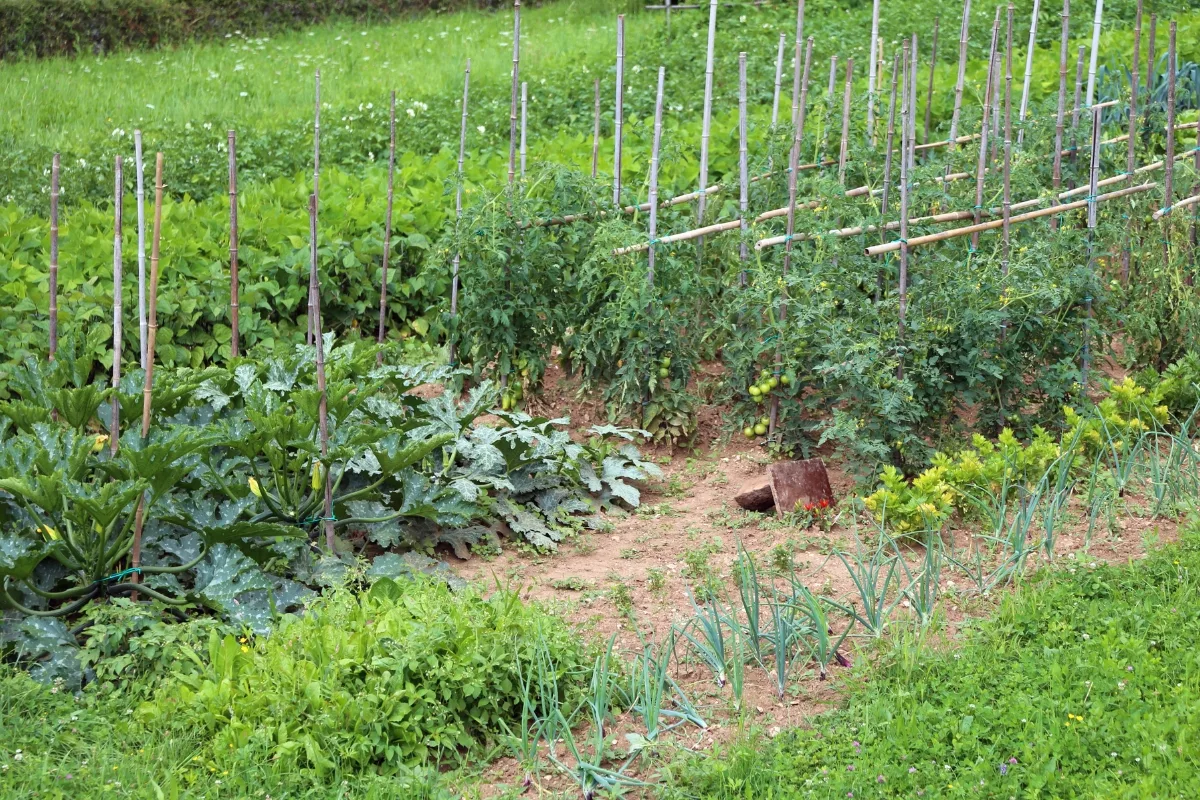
796 482
786 485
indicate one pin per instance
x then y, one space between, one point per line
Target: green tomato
758 398
765 421
764 387
748 432
760 429
785 380
663 372
506 403
773 382
666 362
754 390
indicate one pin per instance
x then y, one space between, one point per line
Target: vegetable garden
260 389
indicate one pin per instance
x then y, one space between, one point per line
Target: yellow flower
317 477
53 534
245 649
254 488
99 443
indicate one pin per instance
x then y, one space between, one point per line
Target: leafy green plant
909 507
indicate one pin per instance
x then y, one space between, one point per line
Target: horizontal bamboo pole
1184 203
947 216
719 227
891 247
953 176
1115 179
946 142
1183 126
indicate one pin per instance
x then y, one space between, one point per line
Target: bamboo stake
317 194
891 247
997 76
323 408
516 79
1130 155
1093 180
932 65
387 230
844 149
1124 137
1033 21
1150 66
1078 96
234 304
54 176
139 168
912 114
1006 250
524 106
620 106
1169 159
799 25
962 68
717 227
832 77
743 167
887 167
706 122
871 70
658 110
118 201
1091 85
981 168
799 106
596 132
827 123
1157 165
775 100
906 111
1187 202
1062 99
458 193
135 555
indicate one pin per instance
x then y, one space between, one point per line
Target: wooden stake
743 167
141 251
54 176
135 553
962 68
871 70
458 193
596 132
706 121
620 107
1091 84
387 230
658 110
512 108
1033 21
323 408
118 201
1130 155
929 93
312 256
844 150
1062 99
234 304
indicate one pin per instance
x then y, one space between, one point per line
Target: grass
1084 684
269 79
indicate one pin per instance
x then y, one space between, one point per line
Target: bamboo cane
887 167
905 128
844 148
1092 219
458 193
596 132
981 167
891 247
620 106
1124 137
1186 202
1150 66
387 230
1115 179
1006 247
706 121
912 113
799 25
1091 84
658 109
832 77
234 288
54 177
775 100
1130 155
799 106
140 172
932 65
1169 158
323 408
962 68
317 194
997 76
512 107
1078 97
135 553
1059 127
118 209
524 106
685 236
743 168
1028 78
871 71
